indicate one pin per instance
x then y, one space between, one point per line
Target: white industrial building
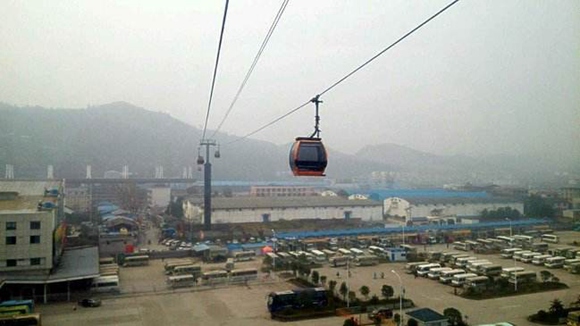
261 209
418 208
158 196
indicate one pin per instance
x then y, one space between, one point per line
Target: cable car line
254 63
217 60
349 74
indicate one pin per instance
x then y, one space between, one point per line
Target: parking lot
147 301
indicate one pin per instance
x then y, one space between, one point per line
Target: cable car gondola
308 156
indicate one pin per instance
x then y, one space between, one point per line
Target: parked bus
344 252
338 261
329 253
447 276
506 272
540 247
411 267
16 307
459 279
286 257
140 260
476 282
523 239
461 246
366 260
170 266
243 275
573 253
356 252
32 319
408 248
518 254
106 261
434 273
552 238
476 265
523 277
319 256
509 241
569 262
462 261
105 284
377 251
555 262
490 270
509 252
244 255
540 260
109 272
194 270
471 244
529 256
446 256
214 277
180 281
423 270
297 299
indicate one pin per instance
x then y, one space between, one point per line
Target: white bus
423 270
523 239
506 272
555 262
411 267
518 254
356 252
509 241
461 246
344 252
471 244
459 279
108 272
446 256
141 260
408 248
475 267
490 270
447 276
540 247
451 260
569 262
434 273
194 270
243 275
319 256
523 277
377 251
366 260
214 277
509 252
338 261
550 238
244 255
329 253
171 265
462 261
286 257
105 284
529 256
180 281
476 282
540 260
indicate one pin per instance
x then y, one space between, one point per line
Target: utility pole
207 181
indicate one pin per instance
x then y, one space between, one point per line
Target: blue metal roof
410 229
382 194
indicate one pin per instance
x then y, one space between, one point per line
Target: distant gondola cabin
308 157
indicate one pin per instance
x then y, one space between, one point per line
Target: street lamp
508 219
274 240
400 297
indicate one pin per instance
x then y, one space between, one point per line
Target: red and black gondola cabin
308 157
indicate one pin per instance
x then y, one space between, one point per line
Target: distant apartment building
282 191
572 196
78 198
256 209
158 196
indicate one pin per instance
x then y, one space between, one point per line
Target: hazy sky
484 77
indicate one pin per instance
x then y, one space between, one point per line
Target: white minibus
434 273
459 279
555 262
540 260
447 276
509 252
550 238
423 270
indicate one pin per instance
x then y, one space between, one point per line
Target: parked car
383 313
90 302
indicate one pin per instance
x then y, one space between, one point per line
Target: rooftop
426 315
286 202
29 193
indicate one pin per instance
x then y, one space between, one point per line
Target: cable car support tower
207 179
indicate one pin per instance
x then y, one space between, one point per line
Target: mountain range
110 136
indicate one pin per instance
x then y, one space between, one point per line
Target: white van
423 270
459 279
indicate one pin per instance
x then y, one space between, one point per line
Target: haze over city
483 78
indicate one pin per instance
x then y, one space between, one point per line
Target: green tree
387 291
364 290
323 279
397 318
412 322
557 308
352 296
332 286
454 316
315 277
536 206
343 290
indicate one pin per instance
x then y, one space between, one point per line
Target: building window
10 262
34 261
35 225
34 239
10 226
10 240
